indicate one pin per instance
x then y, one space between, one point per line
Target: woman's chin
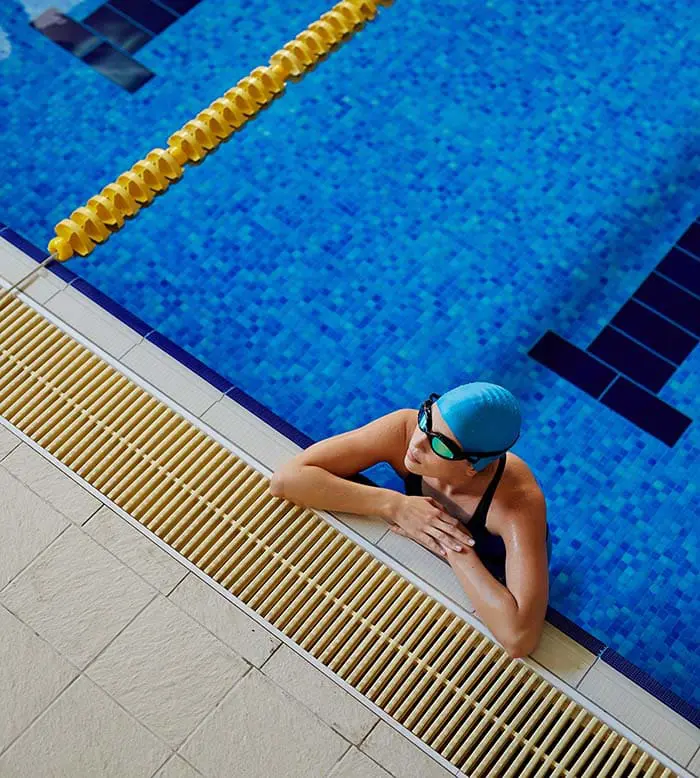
412 465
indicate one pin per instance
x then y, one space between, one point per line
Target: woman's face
426 461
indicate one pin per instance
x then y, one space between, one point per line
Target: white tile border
373 549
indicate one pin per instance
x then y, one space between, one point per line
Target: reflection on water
5 47
33 8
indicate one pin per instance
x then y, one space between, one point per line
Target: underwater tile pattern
671 309
448 189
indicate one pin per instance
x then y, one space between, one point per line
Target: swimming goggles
443 446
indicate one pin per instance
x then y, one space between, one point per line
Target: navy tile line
118 67
92 49
268 416
179 7
38 255
656 332
111 306
24 245
651 685
575 632
682 268
646 410
558 620
117 29
152 17
65 32
194 364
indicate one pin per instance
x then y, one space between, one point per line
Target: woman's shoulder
523 499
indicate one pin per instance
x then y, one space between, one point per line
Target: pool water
415 214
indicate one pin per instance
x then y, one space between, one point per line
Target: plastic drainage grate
435 674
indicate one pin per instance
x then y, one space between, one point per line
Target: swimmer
467 498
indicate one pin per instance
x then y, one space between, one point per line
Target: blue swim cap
483 417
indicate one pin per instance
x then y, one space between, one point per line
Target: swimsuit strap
479 517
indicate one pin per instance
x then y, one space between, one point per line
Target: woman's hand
425 520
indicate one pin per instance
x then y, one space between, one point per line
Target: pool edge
605 653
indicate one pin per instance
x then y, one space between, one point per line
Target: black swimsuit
489 548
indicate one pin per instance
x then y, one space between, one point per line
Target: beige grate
439 677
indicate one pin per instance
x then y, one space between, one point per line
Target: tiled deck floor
115 660
116 654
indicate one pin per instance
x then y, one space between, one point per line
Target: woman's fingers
436 547
445 540
456 532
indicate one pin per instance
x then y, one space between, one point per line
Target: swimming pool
417 212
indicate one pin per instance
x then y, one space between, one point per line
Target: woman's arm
317 477
515 615
314 487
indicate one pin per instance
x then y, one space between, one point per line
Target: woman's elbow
523 645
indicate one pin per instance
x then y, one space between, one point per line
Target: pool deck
256 703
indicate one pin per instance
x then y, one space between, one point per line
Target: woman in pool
468 499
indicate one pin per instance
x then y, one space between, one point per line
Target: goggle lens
441 449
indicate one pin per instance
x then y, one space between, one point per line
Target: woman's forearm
493 602
314 487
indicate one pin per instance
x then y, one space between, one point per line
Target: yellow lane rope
105 213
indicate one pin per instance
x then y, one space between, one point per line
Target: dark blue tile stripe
112 307
152 17
184 357
65 32
268 416
671 301
118 67
651 685
646 411
690 240
24 245
656 332
57 268
572 630
681 268
635 361
556 619
117 29
573 364
179 7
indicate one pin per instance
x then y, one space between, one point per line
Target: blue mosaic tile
148 14
117 29
417 212
117 67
